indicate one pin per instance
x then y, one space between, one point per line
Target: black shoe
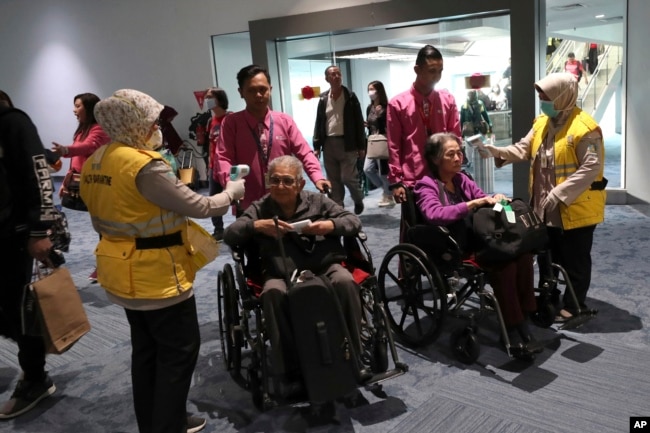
531 344
195 424
358 208
527 339
26 395
323 413
218 235
521 352
365 375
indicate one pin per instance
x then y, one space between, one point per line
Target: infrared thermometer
239 171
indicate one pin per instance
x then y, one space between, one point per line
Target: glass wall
473 46
476 45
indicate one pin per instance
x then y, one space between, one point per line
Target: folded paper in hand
204 247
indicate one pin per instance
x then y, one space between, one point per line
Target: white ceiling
581 23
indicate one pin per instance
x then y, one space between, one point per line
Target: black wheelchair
241 322
427 278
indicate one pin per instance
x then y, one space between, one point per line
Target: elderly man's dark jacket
354 133
303 252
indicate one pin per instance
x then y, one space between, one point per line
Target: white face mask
372 94
211 103
155 142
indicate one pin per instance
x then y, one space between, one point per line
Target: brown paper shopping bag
60 310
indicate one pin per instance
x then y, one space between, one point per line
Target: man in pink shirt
412 117
256 135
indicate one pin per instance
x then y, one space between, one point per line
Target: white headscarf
127 116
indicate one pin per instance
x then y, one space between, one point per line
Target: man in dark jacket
322 223
340 134
26 214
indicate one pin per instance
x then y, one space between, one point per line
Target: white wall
53 50
636 126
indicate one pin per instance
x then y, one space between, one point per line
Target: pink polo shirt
407 133
238 144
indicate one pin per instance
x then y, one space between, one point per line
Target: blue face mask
211 103
548 108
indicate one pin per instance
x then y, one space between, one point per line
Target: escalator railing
598 87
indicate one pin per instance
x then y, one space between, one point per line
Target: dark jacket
303 252
26 189
353 130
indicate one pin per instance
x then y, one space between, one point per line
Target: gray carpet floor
587 380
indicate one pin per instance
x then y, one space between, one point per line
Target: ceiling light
612 19
600 16
380 53
568 7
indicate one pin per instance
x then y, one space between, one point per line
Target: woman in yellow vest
566 183
144 259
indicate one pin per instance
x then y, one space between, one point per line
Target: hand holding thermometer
239 171
236 173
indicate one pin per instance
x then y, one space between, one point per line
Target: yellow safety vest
589 207
121 215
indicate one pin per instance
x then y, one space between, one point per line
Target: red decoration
477 80
200 96
307 92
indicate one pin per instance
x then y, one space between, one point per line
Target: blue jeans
373 172
215 188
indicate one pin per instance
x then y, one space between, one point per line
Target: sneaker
26 395
358 208
386 201
195 424
93 276
218 235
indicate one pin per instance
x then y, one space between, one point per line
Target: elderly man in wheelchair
296 230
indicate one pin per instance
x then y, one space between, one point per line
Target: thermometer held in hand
239 171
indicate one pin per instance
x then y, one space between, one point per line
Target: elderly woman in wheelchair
292 231
446 197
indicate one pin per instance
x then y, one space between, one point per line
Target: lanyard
425 118
256 137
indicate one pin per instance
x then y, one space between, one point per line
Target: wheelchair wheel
231 336
465 346
413 293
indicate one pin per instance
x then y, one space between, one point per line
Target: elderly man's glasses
284 180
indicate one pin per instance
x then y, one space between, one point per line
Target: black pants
215 188
571 249
165 347
16 270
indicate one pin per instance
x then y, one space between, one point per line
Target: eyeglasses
284 180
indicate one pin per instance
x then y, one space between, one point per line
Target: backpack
199 128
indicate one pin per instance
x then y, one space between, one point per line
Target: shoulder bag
377 147
505 235
71 198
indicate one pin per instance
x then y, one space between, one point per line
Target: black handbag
71 198
507 234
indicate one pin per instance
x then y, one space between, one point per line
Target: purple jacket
427 198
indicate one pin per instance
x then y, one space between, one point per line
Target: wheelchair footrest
380 377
